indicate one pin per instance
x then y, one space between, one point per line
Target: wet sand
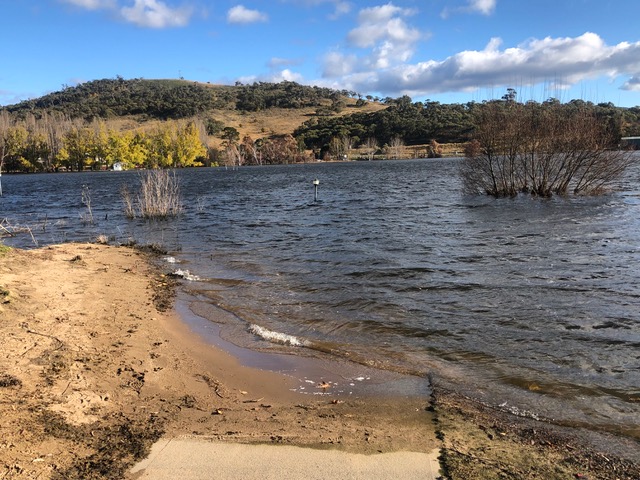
96 366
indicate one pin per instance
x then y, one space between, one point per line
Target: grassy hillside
279 121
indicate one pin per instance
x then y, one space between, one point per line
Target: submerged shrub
541 149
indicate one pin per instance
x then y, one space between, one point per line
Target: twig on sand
33 332
65 389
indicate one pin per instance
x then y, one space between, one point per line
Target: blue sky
442 50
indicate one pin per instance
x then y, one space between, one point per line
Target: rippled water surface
530 304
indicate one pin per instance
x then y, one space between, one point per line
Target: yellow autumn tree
100 146
188 147
161 151
128 148
77 148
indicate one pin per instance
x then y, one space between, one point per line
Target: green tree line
420 123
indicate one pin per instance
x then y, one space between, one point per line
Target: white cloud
156 14
144 13
341 7
92 4
286 75
338 65
484 7
241 14
277 62
274 77
382 30
566 60
633 84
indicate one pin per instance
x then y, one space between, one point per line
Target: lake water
528 304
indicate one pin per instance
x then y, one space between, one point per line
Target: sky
450 51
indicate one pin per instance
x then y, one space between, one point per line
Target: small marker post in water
316 182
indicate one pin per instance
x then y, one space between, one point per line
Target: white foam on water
171 260
519 412
276 337
186 275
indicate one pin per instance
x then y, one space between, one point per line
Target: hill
260 109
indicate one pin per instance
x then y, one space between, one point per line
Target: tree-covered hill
108 98
173 99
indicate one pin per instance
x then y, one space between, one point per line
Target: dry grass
159 196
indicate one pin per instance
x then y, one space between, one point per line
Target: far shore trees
543 149
53 143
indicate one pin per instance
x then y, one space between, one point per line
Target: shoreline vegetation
96 366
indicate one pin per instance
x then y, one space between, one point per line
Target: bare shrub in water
86 200
542 149
127 199
159 196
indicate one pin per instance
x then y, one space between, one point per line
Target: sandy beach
96 367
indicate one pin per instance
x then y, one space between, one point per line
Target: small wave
186 275
518 412
276 337
171 260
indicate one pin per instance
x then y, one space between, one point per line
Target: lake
529 304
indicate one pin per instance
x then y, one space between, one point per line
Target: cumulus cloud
156 14
565 60
633 84
483 7
143 13
92 4
277 62
337 64
383 30
341 7
285 75
241 14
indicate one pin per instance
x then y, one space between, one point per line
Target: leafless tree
543 149
280 149
434 150
232 156
395 148
249 151
370 147
340 147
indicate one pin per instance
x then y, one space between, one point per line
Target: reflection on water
529 303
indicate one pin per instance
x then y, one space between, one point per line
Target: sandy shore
96 367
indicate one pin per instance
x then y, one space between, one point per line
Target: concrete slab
197 458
